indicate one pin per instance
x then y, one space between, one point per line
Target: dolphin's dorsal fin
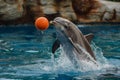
55 46
89 37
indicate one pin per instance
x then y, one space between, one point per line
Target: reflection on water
25 54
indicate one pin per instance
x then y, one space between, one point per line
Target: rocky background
84 11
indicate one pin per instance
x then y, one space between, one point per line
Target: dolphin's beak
57 24
53 22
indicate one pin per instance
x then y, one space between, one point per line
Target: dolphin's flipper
89 37
55 46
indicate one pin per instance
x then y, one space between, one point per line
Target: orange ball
42 23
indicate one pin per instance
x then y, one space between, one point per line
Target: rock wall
26 11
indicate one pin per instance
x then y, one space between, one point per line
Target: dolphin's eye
66 26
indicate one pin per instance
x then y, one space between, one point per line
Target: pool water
25 54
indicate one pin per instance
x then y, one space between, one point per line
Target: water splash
62 62
99 55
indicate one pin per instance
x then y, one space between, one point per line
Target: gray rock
10 10
24 11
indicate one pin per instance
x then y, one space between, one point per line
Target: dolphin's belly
76 55
70 53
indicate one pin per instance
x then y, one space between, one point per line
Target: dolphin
74 43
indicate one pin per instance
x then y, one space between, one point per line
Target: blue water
25 54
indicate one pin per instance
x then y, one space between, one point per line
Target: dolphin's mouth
58 21
58 24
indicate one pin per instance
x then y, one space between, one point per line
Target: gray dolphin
74 43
